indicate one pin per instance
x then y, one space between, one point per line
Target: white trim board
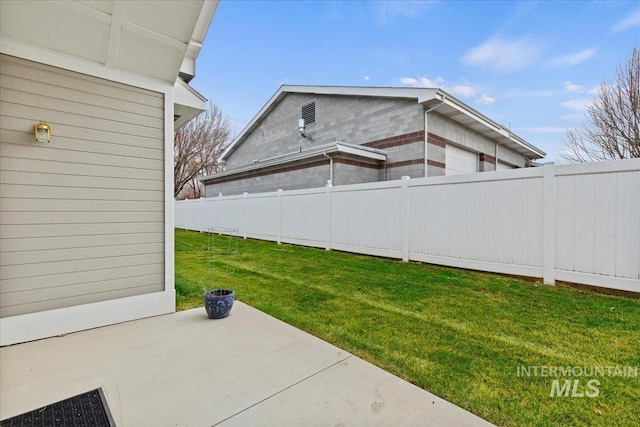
44 56
169 246
45 324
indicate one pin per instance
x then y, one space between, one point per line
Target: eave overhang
453 109
338 147
151 39
187 103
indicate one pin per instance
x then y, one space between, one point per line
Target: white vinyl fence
575 223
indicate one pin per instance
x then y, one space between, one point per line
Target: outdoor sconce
301 128
43 132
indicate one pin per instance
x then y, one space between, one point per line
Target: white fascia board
256 119
334 147
204 22
485 121
379 92
187 103
198 35
349 149
188 96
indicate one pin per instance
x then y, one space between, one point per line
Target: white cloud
569 86
409 81
575 116
486 100
632 20
367 78
462 90
423 82
571 59
578 104
504 56
602 87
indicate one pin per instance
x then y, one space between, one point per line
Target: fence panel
577 223
304 217
262 216
226 212
367 220
493 221
598 225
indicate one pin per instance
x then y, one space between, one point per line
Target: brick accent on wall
396 141
435 164
357 163
269 172
436 140
487 158
406 163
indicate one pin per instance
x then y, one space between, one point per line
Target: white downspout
426 133
324 153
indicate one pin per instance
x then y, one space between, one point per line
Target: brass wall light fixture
43 132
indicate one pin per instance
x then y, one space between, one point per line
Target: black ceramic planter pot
218 302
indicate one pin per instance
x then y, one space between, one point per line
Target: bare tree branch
197 146
612 130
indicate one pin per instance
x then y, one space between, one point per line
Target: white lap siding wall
82 217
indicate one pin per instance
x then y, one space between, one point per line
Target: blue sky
528 65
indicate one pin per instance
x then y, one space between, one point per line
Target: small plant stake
218 302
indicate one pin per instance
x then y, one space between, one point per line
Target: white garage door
503 166
459 161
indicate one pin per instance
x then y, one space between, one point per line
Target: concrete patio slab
186 370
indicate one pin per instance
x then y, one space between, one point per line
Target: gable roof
431 98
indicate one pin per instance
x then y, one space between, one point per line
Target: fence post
279 216
327 191
549 224
244 211
404 217
203 215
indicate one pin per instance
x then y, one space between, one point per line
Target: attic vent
308 112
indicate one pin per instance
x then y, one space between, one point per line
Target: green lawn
459 334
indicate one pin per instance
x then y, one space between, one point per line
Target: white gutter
489 124
334 147
426 134
330 166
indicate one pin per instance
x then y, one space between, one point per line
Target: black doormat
84 410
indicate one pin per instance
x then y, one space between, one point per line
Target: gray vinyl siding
81 218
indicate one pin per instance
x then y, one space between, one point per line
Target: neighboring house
87 219
362 134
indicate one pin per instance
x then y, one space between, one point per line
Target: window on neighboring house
308 112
